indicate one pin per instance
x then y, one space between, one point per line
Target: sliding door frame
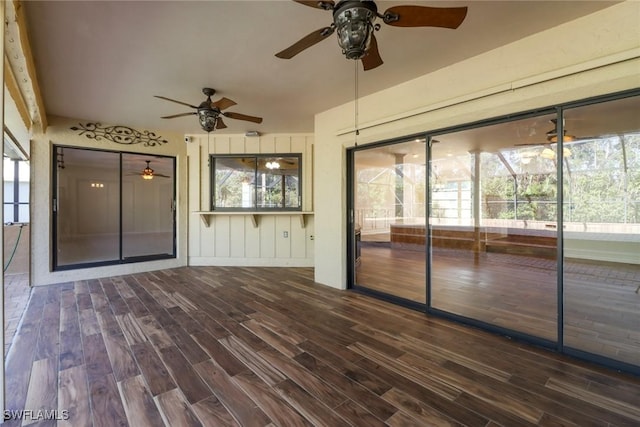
555 345
121 260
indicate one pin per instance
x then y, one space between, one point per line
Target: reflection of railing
375 219
618 211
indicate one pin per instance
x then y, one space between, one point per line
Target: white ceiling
104 61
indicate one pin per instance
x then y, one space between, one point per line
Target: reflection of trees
601 183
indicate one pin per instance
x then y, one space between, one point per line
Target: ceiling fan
209 112
353 20
148 173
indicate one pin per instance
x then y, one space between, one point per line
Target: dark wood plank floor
220 346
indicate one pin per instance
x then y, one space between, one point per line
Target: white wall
594 55
59 132
233 240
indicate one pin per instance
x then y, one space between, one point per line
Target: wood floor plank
304 378
96 358
212 413
43 386
139 406
416 409
185 377
175 410
191 350
272 338
355 391
131 328
358 416
18 368
154 331
73 396
122 361
265 370
106 405
269 401
48 340
153 370
223 357
232 397
313 410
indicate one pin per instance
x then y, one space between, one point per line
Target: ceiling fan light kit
354 24
147 173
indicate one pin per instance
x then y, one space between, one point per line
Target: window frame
255 207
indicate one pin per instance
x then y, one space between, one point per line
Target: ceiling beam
22 67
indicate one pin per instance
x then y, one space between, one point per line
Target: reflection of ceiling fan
148 173
209 112
353 20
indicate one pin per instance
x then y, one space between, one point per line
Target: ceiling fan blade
324 4
239 116
159 175
305 42
178 115
173 100
220 124
425 16
223 103
372 58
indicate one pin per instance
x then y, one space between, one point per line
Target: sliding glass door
148 207
112 207
493 222
389 227
601 191
532 228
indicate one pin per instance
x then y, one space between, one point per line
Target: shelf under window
206 216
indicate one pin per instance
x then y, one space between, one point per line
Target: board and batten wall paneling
234 240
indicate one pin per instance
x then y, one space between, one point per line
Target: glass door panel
87 206
493 225
601 192
389 219
147 206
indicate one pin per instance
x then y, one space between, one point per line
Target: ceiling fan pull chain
355 118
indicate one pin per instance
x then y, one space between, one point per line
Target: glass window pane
278 179
493 225
602 229
23 173
147 205
234 182
256 182
88 206
389 213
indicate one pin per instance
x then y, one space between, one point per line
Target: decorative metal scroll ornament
119 134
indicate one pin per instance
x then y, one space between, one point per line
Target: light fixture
273 165
207 117
550 154
207 113
147 173
354 26
552 136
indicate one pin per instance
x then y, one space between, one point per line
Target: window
256 182
107 209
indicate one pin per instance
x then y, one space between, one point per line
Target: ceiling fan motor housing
354 25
